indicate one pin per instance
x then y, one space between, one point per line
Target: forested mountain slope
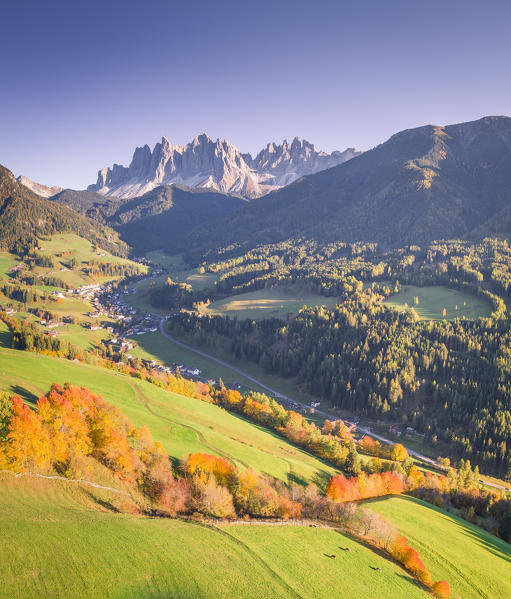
156 218
25 216
422 184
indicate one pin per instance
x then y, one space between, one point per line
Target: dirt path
79 481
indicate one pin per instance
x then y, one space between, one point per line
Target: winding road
284 398
293 402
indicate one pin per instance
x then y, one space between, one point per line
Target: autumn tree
399 453
212 499
441 589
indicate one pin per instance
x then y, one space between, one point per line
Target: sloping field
60 540
353 573
476 563
183 425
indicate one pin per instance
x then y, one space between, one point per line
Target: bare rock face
41 190
284 164
216 165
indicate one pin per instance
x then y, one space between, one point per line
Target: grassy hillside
62 540
183 425
71 246
433 300
64 249
477 564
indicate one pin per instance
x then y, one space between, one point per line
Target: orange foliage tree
410 559
442 589
364 486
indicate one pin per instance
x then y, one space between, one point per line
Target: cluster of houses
397 431
87 292
120 344
109 303
186 371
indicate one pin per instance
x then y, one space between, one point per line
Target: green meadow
180 274
66 246
267 303
181 424
434 299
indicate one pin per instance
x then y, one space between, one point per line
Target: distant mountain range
216 165
422 184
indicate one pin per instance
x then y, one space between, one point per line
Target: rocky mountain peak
215 165
41 190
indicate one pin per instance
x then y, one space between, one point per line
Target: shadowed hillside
422 184
156 218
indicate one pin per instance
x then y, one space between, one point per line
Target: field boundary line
80 481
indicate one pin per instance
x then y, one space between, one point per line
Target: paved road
289 400
221 362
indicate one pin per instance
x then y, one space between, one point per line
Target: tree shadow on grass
24 393
297 479
321 479
176 462
104 504
299 450
411 580
6 339
486 540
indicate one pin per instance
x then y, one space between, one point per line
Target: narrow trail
78 481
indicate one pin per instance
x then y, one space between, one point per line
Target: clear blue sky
84 83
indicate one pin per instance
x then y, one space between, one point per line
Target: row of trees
364 486
332 442
97 268
21 293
